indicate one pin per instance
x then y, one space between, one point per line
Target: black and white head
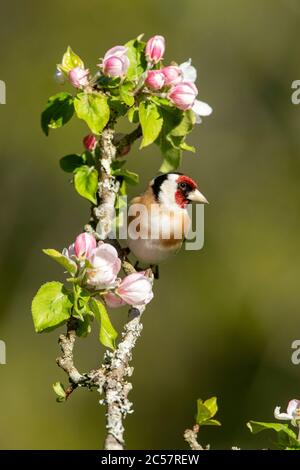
176 189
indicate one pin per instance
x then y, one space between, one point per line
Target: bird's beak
196 196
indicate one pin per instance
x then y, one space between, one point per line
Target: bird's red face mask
187 192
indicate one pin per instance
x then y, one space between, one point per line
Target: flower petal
293 406
281 416
201 108
113 301
189 72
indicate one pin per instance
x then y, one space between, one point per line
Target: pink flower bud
172 74
84 245
155 79
105 266
155 49
79 77
183 95
113 301
90 142
135 289
116 62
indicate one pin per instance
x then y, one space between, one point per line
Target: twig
66 360
191 437
129 139
116 388
110 378
108 186
94 378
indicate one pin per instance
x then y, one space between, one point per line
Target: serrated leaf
108 334
151 122
69 163
51 307
67 263
70 60
60 392
59 110
86 182
286 437
93 109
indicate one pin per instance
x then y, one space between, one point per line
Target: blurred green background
223 319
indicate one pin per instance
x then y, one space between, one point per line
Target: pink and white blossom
135 289
155 79
70 251
115 62
155 49
105 266
188 71
292 413
172 74
201 109
79 77
183 95
85 243
113 301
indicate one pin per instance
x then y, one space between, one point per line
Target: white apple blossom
292 413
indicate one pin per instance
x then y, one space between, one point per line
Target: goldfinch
158 219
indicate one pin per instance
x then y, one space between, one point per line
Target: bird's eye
183 186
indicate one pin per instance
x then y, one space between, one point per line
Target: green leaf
212 422
58 111
188 148
93 109
286 437
108 334
129 176
207 410
151 121
172 118
203 413
68 264
51 307
117 106
211 404
186 125
60 392
84 328
86 182
172 156
137 60
69 163
126 93
133 115
70 60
